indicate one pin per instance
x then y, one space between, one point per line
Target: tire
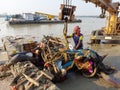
96 41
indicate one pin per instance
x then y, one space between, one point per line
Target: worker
77 37
34 57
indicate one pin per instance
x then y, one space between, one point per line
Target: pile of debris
58 59
26 75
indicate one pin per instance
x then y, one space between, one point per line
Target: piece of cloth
27 56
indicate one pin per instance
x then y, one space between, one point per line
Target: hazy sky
46 6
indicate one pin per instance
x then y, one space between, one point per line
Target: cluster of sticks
51 52
29 77
53 49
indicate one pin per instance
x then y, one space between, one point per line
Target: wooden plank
4 56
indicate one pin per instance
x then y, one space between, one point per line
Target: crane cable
67 3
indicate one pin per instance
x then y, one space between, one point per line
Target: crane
67 10
49 16
112 30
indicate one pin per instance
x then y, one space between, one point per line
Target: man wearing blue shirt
77 37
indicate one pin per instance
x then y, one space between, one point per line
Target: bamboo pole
48 76
30 85
31 80
65 33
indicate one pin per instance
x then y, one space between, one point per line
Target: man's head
76 30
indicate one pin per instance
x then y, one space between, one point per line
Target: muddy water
38 30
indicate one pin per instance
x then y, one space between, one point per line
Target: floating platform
43 22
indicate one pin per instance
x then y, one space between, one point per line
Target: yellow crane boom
112 9
49 16
112 30
105 4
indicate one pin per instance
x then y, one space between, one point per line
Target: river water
38 30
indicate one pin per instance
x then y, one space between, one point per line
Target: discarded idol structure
38 72
87 61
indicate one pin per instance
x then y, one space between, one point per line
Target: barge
42 22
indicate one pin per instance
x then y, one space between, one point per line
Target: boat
30 18
41 21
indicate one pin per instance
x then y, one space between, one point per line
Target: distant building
28 16
16 17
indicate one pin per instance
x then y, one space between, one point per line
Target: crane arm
113 11
49 16
106 5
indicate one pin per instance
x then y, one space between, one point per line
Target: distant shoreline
3 16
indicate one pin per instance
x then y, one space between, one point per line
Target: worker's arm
69 36
76 47
79 43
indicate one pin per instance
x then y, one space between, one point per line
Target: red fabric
77 30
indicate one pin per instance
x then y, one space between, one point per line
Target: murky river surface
38 30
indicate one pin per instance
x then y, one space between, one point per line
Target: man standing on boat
77 37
